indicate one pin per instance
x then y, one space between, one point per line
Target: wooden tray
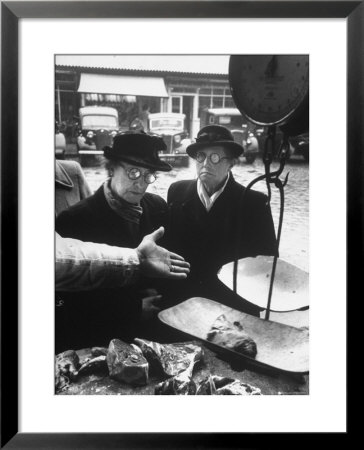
290 289
280 347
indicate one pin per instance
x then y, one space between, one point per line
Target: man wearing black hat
120 213
210 217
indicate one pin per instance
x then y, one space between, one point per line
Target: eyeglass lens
215 158
135 173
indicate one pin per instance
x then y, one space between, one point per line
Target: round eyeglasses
135 174
215 158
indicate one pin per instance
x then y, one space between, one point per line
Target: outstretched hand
157 262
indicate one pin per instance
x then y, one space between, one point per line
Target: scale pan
280 347
290 289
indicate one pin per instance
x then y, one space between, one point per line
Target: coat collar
191 191
195 210
62 177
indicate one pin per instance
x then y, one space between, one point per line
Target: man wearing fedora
211 222
120 213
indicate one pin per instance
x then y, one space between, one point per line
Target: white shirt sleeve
86 265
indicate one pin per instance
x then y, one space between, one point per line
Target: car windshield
230 120
166 123
99 121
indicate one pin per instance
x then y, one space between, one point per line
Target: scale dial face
269 88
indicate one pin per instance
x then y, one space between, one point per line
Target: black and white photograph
181 213
182 224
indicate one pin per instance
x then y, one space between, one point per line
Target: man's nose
207 161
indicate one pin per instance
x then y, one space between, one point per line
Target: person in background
136 125
144 116
203 222
71 185
120 213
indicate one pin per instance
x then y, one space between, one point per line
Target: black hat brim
236 148
159 166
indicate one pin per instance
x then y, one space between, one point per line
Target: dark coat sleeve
259 231
178 190
155 212
73 222
171 231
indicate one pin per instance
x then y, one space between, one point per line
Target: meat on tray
126 363
215 385
169 360
232 336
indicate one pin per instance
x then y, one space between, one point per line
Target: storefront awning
122 85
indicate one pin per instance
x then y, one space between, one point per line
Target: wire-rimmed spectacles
215 158
134 174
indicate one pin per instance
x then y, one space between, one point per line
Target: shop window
229 102
177 104
205 91
218 91
218 102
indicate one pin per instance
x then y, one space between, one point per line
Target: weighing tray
290 289
280 347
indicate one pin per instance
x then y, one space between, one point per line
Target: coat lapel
229 197
193 209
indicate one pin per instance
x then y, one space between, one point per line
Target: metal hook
270 178
285 180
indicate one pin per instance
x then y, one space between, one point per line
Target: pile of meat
133 363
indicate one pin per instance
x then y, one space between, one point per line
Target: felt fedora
139 148
212 136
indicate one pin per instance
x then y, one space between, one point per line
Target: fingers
151 307
152 299
157 234
178 263
178 269
175 256
176 276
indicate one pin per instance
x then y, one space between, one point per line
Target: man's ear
233 162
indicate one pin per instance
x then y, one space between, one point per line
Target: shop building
140 84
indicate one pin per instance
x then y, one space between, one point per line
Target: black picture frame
11 13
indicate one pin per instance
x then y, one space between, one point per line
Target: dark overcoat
208 240
94 317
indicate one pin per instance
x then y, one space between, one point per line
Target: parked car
243 131
59 142
298 145
301 145
171 127
98 125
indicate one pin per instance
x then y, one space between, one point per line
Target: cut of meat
67 364
94 365
232 336
181 384
98 351
126 364
238 388
215 385
169 359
